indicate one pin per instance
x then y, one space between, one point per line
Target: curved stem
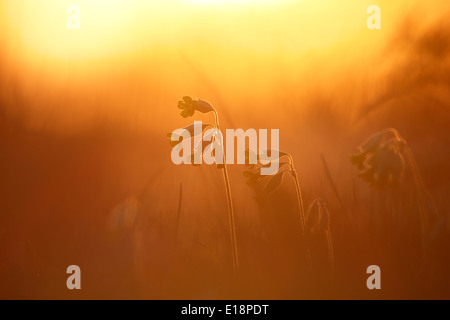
299 195
420 189
216 118
417 180
302 212
300 201
420 192
231 218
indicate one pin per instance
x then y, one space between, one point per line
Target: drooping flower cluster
188 106
381 159
253 174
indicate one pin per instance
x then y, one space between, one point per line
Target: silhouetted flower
380 159
199 149
189 106
252 158
369 146
274 182
190 129
254 174
358 159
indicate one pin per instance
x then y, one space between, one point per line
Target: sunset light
224 149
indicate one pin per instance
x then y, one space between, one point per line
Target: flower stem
420 192
231 218
417 180
302 213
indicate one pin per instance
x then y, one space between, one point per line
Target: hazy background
84 117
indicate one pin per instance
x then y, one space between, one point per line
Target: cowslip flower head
380 159
188 106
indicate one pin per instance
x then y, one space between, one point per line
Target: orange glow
41 26
225 39
84 117
115 27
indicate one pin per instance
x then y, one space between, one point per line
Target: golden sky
131 54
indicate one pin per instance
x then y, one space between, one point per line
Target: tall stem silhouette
231 218
417 180
301 212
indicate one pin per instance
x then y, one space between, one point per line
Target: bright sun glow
112 28
109 26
